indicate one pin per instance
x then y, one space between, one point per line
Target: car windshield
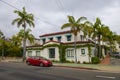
42 58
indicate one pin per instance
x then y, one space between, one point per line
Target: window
37 53
51 39
59 39
70 53
44 40
52 53
81 37
82 51
68 38
29 53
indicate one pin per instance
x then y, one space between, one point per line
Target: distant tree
75 26
23 19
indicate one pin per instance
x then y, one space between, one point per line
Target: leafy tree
23 19
75 26
16 40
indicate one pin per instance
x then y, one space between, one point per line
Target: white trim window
83 51
37 53
81 37
29 53
70 53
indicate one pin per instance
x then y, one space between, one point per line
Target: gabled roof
56 33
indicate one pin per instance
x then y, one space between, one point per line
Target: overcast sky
51 14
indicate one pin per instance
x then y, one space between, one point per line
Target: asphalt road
21 71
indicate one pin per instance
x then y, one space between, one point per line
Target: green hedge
95 60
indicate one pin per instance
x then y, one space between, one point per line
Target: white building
60 45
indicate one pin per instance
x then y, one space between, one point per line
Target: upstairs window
81 37
59 39
51 39
44 40
68 38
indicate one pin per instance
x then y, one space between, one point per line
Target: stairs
106 60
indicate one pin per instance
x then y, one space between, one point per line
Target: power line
9 4
35 16
60 6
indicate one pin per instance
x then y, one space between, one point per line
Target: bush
95 60
84 62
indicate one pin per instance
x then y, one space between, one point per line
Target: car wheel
28 63
41 64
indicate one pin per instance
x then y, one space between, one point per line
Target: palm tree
88 29
75 26
88 32
28 36
23 19
111 38
99 32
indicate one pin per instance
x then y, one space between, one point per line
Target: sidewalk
110 68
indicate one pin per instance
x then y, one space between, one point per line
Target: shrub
78 62
95 60
84 62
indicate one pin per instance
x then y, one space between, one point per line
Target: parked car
38 61
116 54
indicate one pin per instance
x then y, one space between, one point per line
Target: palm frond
81 19
65 25
71 19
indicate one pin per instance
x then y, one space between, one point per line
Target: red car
38 61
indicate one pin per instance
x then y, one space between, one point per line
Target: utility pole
3 41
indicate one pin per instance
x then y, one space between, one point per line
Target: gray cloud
51 14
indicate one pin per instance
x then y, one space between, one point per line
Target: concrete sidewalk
110 68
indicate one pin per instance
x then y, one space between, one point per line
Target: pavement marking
108 77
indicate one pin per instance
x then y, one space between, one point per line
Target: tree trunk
99 48
24 46
3 44
75 38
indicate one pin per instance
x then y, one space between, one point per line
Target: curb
76 67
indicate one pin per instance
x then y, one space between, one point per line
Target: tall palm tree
23 19
88 32
75 26
99 32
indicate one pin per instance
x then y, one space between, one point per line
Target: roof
78 42
56 33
